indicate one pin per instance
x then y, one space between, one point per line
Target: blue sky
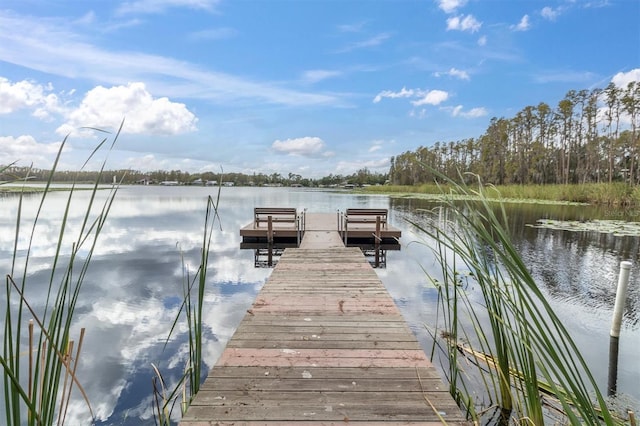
308 87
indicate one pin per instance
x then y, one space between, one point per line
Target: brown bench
286 215
366 216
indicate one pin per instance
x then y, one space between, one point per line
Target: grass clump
39 358
525 355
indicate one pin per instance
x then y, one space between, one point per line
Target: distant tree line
361 177
590 136
580 141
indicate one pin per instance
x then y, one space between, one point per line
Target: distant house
169 183
228 183
197 182
212 183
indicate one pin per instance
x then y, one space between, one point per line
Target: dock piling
621 297
614 341
270 229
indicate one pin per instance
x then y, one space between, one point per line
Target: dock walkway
323 344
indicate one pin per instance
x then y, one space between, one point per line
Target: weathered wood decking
323 344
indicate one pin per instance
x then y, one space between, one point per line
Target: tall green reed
191 311
38 391
522 348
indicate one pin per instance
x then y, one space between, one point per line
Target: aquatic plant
38 391
523 352
191 309
619 228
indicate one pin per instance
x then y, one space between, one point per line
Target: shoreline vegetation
530 367
616 194
600 194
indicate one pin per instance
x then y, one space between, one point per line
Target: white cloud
348 167
305 147
352 28
314 76
376 145
151 162
434 97
422 97
464 23
370 42
88 19
113 27
105 108
404 93
422 113
550 13
450 6
564 76
472 113
482 41
453 72
26 150
159 6
27 95
622 79
523 25
54 49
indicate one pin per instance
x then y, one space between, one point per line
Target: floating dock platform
323 344
288 225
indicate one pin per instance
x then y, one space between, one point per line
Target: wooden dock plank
323 344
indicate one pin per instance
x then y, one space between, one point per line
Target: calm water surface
134 286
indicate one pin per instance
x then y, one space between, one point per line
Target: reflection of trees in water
576 267
582 267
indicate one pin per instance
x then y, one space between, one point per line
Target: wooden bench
278 214
366 216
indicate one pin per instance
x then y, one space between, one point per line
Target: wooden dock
323 344
286 228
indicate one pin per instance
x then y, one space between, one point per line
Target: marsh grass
37 390
604 194
527 352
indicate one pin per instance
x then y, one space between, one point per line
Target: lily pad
619 228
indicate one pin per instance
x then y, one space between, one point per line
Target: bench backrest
366 215
278 214
367 212
275 211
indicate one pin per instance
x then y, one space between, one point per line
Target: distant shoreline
603 194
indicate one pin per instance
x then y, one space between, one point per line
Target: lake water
134 285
